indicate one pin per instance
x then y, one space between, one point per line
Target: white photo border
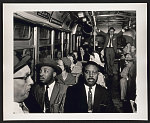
141 41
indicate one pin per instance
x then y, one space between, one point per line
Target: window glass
44 52
22 31
57 45
44 33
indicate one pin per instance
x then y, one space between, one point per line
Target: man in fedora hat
47 92
87 96
110 48
22 83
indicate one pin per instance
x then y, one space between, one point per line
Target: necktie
24 108
110 41
90 100
47 102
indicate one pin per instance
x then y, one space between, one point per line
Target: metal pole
94 34
52 42
36 55
71 35
62 43
36 52
68 35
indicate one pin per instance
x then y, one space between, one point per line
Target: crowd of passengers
72 84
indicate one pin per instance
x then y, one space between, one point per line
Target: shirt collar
93 87
51 85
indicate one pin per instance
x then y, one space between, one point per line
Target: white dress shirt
50 89
109 41
93 92
17 109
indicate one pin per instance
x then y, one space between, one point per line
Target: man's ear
54 74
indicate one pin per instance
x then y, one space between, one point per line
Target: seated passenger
76 66
101 78
22 84
65 77
125 76
133 52
82 55
47 92
86 96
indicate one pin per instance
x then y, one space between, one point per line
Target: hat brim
56 68
101 69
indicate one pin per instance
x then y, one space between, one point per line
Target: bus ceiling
72 20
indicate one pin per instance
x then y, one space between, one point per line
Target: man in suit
22 84
110 48
47 95
87 96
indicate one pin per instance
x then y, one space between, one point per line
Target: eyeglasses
24 78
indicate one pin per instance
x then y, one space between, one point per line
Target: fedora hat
20 63
100 68
51 63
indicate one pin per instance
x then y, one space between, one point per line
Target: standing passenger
110 47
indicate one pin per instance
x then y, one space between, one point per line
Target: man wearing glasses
22 83
87 96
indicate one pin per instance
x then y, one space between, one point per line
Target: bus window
44 36
57 43
44 52
22 31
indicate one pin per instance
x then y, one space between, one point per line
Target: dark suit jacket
114 39
76 100
36 98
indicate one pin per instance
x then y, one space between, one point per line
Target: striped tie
90 100
24 108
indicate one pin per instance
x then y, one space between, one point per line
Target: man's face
47 74
91 74
22 86
111 32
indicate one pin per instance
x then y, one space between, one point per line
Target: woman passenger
65 77
76 66
83 55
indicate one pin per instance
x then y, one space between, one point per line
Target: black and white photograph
76 61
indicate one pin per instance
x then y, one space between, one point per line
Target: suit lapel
39 94
54 93
83 106
97 96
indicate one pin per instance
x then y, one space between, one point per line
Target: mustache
90 79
